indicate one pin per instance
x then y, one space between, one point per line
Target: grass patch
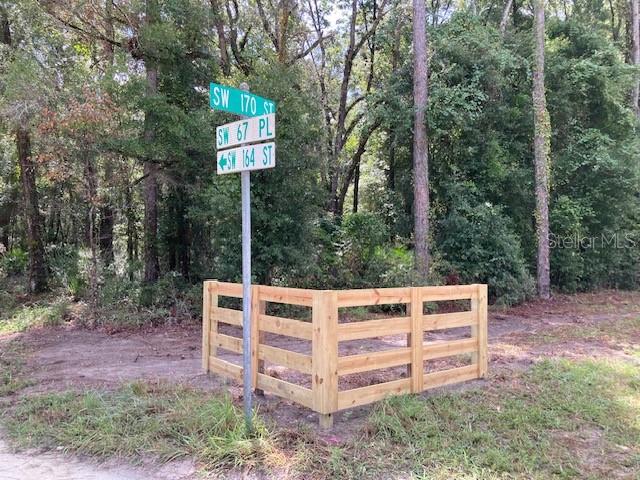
615 332
11 366
560 420
158 420
23 317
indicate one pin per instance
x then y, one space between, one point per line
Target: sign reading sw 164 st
240 102
251 130
248 157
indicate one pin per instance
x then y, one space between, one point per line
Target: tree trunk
132 235
541 143
150 167
420 153
505 17
225 63
107 210
635 53
356 188
106 233
37 263
151 263
91 193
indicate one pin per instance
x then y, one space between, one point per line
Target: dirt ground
73 358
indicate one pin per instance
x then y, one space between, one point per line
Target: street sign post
240 102
243 159
255 129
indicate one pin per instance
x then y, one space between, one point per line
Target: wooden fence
322 364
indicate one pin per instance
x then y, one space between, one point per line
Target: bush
15 261
478 245
357 254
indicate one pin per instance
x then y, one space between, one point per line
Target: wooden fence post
258 307
479 329
324 346
482 331
416 340
209 323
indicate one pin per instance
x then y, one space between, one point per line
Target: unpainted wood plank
417 334
373 296
208 297
226 369
373 328
226 289
324 345
233 344
440 321
447 348
228 316
447 292
292 296
257 308
483 357
286 326
475 312
290 391
372 393
453 375
286 358
364 362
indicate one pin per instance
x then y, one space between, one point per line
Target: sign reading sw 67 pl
248 157
251 130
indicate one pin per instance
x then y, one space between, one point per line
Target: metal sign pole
245 181
245 185
243 158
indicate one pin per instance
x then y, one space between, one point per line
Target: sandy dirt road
56 466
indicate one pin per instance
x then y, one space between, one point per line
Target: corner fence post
209 323
324 353
416 340
479 328
483 334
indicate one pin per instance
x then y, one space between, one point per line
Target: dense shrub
14 262
478 245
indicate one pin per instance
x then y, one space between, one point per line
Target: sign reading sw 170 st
248 157
240 102
250 130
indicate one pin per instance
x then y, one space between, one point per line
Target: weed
11 367
23 317
168 422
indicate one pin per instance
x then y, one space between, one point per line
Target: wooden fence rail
323 363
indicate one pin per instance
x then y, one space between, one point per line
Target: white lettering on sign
254 129
247 157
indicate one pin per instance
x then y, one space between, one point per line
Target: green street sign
237 101
246 158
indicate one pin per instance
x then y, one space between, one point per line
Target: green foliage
163 421
478 245
511 431
594 211
23 317
95 122
356 254
14 262
65 266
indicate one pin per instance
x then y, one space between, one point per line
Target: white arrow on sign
248 157
254 129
